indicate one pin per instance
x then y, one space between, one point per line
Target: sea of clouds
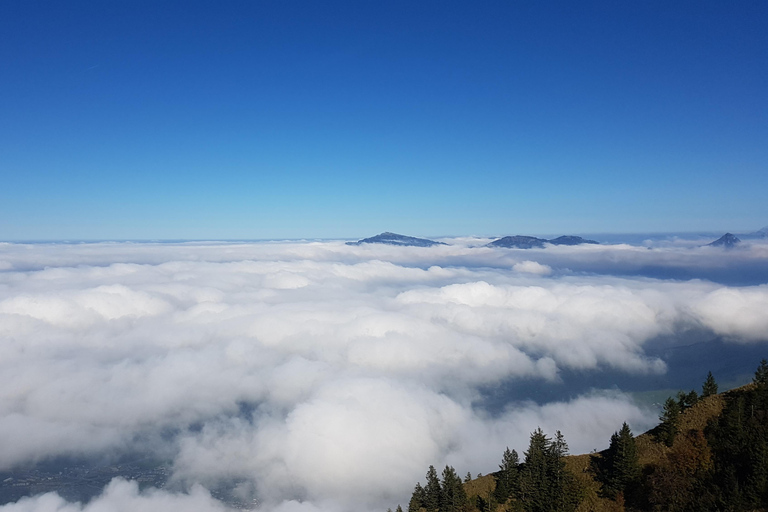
327 377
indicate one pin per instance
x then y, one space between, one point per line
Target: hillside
708 453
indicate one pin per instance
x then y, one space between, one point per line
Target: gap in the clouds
732 362
748 273
150 462
246 409
688 357
82 478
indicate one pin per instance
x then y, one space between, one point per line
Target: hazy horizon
610 237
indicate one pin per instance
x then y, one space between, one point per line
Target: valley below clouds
325 377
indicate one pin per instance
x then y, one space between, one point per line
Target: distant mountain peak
759 234
519 242
728 241
389 238
571 240
531 242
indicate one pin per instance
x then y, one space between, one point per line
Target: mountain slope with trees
709 452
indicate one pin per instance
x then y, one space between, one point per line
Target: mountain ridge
532 242
389 238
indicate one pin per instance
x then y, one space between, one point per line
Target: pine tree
558 476
739 443
453 498
761 375
418 499
545 485
622 468
468 477
686 400
669 416
507 478
399 508
710 386
559 445
533 477
432 490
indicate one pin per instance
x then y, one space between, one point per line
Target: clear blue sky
287 119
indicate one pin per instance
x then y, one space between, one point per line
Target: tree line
723 466
540 483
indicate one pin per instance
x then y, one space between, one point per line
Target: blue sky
290 119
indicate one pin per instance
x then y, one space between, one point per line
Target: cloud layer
326 376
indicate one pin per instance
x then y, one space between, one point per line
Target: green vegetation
545 485
619 468
508 477
761 375
539 484
447 495
709 387
709 452
432 491
667 429
453 498
418 499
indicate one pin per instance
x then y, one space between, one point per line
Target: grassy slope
649 452
482 486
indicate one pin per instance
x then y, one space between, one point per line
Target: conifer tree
739 442
558 477
544 483
507 478
418 499
622 468
399 508
686 400
534 488
669 417
761 375
452 494
709 387
468 477
559 445
432 490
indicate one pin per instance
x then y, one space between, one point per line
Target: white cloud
741 313
532 267
357 366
